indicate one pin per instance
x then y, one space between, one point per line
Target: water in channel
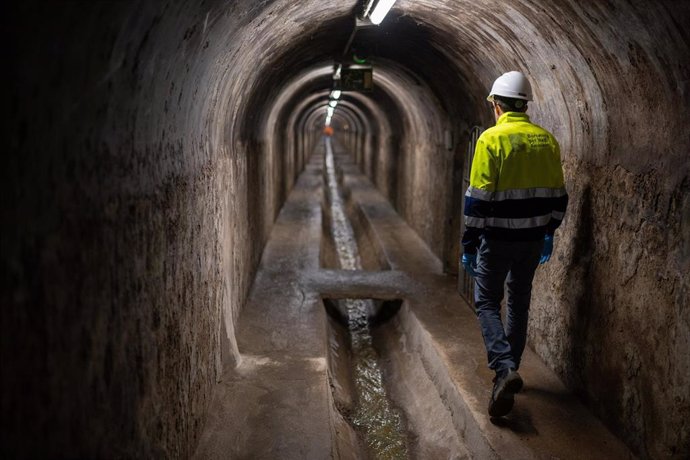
380 423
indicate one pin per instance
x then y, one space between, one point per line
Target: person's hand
548 249
469 262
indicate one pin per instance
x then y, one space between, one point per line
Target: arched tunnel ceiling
457 48
398 98
147 166
403 44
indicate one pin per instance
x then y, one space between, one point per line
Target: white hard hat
511 84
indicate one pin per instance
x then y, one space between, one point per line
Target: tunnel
168 291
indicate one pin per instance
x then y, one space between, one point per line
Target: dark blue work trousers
496 261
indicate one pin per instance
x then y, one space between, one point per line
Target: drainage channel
380 424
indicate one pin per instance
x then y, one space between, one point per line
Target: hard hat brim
527 98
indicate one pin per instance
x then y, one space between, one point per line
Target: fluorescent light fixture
333 103
335 94
328 121
380 11
330 111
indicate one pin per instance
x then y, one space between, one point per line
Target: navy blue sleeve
476 211
557 214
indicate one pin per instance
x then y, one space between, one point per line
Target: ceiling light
380 11
330 111
335 94
333 103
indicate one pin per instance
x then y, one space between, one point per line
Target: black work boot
506 384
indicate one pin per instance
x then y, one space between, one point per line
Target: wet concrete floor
281 400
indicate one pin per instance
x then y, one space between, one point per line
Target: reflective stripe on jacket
516 191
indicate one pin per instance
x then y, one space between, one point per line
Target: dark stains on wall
140 189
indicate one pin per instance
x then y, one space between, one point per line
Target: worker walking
515 202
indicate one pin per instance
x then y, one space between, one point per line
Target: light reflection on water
381 424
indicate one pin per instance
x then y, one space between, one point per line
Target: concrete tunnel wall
141 188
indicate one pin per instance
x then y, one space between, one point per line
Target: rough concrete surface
276 403
151 146
441 331
612 276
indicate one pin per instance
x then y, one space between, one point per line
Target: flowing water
374 416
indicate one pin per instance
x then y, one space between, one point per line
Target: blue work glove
469 262
548 249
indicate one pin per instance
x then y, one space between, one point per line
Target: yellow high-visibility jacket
516 191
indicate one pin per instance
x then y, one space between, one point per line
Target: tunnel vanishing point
156 299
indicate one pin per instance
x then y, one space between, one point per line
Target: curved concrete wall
146 169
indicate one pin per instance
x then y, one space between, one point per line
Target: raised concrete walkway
277 404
